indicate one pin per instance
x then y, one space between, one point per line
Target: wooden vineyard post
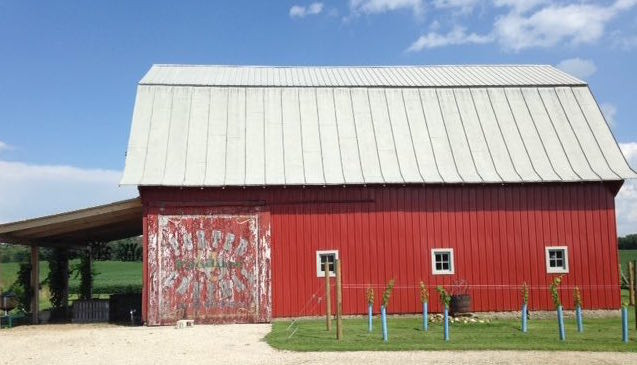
339 301
631 283
328 297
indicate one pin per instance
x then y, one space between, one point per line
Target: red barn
478 178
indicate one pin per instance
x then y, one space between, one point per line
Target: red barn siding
498 233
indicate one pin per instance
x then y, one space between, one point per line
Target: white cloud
626 201
623 42
630 151
524 24
457 36
298 11
462 6
553 24
578 67
381 6
4 146
30 191
610 112
519 6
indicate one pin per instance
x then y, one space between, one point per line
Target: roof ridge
357 66
407 76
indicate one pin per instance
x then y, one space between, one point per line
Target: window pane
556 254
438 266
557 258
445 265
329 258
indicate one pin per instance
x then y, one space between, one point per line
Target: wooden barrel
8 301
460 304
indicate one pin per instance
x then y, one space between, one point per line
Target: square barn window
556 259
442 261
326 256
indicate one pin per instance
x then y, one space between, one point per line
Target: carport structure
74 229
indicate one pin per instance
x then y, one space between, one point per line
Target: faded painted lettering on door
208 269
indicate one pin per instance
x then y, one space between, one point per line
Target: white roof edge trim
499 182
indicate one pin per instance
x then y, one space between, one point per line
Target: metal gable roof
242 126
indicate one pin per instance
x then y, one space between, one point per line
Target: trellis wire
495 286
305 311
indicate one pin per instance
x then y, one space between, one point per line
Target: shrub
445 298
13 253
86 273
577 297
460 287
58 276
370 296
555 285
525 293
387 293
424 293
101 251
22 287
128 250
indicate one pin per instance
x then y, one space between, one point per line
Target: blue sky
70 68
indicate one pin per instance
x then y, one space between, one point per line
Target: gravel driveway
232 344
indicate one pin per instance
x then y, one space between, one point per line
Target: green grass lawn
113 276
406 334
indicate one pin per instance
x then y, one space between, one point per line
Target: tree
628 242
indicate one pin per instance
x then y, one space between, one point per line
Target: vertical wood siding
498 233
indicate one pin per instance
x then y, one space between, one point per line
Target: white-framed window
442 261
329 256
556 259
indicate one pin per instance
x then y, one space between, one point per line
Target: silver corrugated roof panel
257 126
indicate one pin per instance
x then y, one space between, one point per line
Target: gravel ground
232 344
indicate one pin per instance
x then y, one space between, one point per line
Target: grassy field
625 256
406 334
113 276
